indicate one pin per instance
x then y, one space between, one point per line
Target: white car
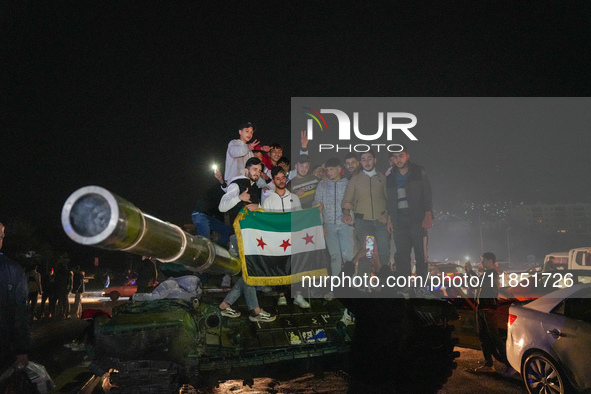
549 341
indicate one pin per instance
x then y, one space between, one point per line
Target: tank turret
96 217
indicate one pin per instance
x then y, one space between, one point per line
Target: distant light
467 257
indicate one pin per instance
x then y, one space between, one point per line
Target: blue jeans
339 241
382 238
205 224
250 294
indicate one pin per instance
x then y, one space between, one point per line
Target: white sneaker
263 317
282 301
301 302
229 312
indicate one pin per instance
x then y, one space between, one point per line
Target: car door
568 331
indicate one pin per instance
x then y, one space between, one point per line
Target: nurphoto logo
395 122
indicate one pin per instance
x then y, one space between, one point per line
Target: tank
158 346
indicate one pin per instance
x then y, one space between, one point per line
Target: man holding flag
284 201
243 192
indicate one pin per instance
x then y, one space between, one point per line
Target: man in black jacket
15 332
410 209
486 308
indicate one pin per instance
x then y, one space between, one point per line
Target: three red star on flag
308 238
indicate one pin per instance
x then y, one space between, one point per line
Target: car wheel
541 374
114 296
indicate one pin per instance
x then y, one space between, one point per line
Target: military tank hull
156 346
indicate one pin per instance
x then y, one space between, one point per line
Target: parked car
549 339
128 289
536 286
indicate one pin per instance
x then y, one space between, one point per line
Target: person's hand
320 208
427 221
218 175
389 225
252 207
22 360
360 254
253 144
324 230
265 148
384 218
374 261
347 219
299 192
304 139
245 196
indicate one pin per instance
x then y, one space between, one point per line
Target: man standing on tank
243 192
410 208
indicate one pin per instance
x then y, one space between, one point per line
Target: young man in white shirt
281 200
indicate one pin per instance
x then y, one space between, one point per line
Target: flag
278 248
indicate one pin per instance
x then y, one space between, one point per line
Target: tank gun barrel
94 216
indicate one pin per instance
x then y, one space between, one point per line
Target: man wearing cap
304 183
410 213
239 151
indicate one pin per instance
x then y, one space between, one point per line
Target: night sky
142 97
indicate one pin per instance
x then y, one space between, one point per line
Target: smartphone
369 243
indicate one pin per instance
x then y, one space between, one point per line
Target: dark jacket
418 195
208 203
487 295
253 190
15 332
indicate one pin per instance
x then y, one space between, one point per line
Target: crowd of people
357 202
54 285
355 199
